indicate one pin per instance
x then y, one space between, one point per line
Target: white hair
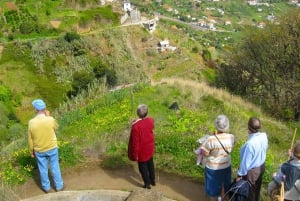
222 123
142 110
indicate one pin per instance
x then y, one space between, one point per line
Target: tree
102 70
27 27
71 36
81 81
265 67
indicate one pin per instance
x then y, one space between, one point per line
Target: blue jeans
43 158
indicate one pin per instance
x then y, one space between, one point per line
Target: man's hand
47 113
32 155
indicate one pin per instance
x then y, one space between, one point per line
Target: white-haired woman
141 145
217 150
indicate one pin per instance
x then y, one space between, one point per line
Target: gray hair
222 123
142 110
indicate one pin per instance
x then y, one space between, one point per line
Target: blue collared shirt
253 153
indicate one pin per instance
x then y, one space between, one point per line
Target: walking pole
295 132
281 192
294 137
281 196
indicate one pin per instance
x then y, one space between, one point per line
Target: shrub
15 169
67 154
99 70
3 133
111 77
81 81
71 37
102 70
27 27
11 37
195 49
5 93
16 131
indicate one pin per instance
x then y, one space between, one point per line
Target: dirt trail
92 176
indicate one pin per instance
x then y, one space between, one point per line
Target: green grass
100 122
40 13
176 133
102 125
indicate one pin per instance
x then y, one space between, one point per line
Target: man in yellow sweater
43 146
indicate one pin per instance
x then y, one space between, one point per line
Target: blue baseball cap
39 104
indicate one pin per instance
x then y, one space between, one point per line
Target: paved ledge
138 194
84 195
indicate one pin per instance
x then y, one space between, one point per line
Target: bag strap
222 144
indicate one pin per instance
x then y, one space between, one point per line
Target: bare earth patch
11 6
92 176
55 23
83 29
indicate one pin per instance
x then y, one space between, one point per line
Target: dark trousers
255 177
147 171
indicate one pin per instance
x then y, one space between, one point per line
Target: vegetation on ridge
85 56
103 126
267 67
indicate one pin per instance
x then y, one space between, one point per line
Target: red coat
141 142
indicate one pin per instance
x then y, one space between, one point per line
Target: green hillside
92 73
101 126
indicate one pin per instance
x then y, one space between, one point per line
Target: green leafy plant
68 155
5 93
15 169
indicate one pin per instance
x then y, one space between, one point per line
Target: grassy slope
102 125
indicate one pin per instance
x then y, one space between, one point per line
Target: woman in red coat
141 145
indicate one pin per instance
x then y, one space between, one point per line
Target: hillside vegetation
93 73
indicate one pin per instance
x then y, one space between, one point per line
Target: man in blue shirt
253 155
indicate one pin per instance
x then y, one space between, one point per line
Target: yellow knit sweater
41 133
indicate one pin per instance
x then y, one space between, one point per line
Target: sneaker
153 183
46 191
57 190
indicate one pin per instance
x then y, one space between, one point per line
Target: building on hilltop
135 15
150 25
252 2
165 45
202 23
127 5
293 1
227 22
261 25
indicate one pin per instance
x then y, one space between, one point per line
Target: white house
211 26
151 24
165 45
201 22
261 25
227 22
252 2
127 5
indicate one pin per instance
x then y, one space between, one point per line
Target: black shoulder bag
222 144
